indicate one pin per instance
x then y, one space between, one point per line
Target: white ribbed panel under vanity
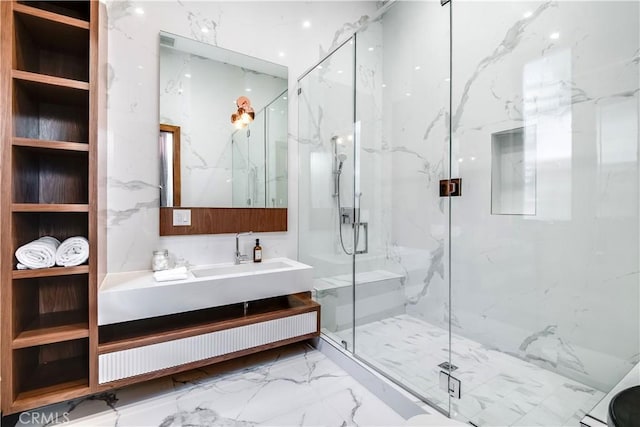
154 357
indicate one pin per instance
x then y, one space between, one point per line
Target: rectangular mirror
206 160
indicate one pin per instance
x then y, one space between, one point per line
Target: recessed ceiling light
284 97
417 67
447 80
248 89
460 160
280 54
306 24
319 67
205 30
139 10
371 49
384 85
340 71
528 14
140 67
187 75
408 93
554 36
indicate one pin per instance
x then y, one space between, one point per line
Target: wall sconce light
245 113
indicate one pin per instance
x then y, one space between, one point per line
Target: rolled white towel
179 273
73 251
40 253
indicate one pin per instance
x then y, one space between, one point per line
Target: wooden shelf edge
49 80
189 331
50 16
49 207
52 394
51 335
49 272
50 145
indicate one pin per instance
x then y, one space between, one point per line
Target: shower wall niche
513 172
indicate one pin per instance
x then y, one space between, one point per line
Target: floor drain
448 366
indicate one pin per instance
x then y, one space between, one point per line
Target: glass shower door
544 251
401 153
325 144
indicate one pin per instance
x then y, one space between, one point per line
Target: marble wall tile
270 30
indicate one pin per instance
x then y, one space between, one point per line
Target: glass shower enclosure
524 287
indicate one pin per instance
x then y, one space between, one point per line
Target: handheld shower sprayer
341 158
338 161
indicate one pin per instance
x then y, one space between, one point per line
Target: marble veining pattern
275 34
293 386
498 389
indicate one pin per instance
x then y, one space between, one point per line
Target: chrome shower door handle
364 225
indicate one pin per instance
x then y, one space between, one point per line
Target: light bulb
245 118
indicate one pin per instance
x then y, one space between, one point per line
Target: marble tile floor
293 386
497 389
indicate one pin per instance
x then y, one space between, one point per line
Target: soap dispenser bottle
257 252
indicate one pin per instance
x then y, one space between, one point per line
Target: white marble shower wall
415 144
558 288
272 31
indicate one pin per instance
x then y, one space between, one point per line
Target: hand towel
179 273
73 251
40 253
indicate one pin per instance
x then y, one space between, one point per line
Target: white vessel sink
136 295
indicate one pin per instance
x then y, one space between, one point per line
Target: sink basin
136 295
239 269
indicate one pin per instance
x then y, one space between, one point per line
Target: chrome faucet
238 258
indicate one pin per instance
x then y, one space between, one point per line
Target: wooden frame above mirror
224 220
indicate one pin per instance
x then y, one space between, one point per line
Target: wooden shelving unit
49 188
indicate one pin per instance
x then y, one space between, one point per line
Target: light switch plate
181 217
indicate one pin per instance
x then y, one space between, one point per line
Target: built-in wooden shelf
49 166
49 80
53 207
50 145
51 16
53 327
47 395
50 272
